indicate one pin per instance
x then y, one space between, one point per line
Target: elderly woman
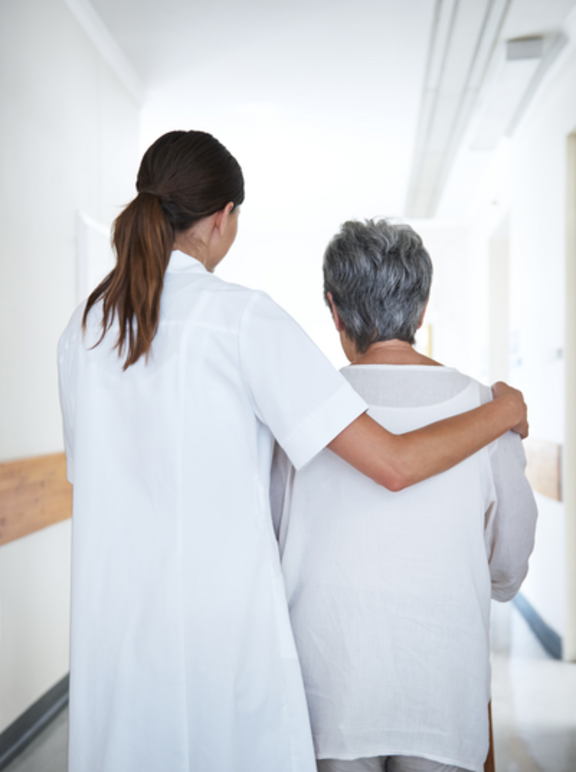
389 593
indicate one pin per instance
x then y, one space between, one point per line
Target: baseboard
21 732
548 637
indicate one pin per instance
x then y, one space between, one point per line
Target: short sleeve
295 390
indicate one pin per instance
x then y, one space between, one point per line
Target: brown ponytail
184 176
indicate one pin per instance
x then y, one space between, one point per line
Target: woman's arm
397 461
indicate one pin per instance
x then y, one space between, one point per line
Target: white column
569 461
499 323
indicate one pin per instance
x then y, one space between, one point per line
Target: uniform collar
180 262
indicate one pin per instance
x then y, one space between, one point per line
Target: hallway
456 116
533 704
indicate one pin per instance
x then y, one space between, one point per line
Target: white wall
535 201
538 257
35 609
68 142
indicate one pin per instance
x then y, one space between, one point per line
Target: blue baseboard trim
21 732
548 637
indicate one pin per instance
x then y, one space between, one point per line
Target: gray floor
48 752
533 707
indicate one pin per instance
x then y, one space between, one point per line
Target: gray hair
379 276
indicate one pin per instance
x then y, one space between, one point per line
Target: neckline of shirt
180 261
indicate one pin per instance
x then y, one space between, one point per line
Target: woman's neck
392 352
191 247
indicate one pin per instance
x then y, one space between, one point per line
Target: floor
533 708
48 752
533 700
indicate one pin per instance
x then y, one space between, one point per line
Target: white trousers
385 764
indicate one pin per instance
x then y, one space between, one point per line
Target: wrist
512 407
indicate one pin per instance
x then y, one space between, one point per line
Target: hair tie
164 200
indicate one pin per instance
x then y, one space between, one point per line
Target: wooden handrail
34 493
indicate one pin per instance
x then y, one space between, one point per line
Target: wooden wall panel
544 470
34 493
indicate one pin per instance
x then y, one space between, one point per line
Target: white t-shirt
389 593
182 657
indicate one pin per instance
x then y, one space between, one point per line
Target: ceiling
319 99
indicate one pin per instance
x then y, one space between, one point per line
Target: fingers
501 389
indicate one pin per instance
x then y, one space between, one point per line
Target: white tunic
389 593
182 657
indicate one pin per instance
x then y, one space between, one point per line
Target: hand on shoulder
501 390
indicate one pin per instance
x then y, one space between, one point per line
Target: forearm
398 461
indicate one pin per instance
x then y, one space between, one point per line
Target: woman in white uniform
389 593
174 385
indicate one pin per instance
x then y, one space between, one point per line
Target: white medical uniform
389 593
182 657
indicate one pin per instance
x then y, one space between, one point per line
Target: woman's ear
335 315
221 218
